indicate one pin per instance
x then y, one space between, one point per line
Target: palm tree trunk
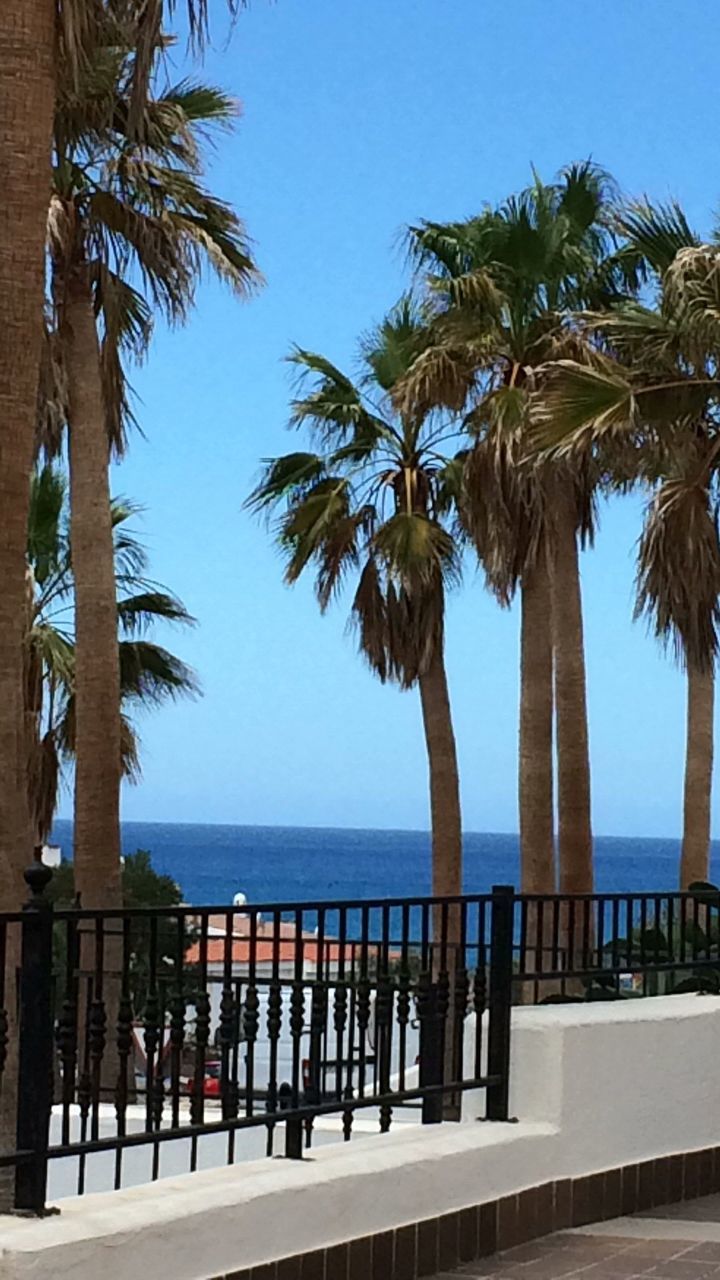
27 48
27 99
535 783
573 756
695 863
446 857
444 784
97 867
97 675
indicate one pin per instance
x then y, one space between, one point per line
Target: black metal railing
147 1032
615 945
150 1041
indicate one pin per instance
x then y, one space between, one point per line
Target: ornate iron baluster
340 1017
383 1024
251 1023
151 1038
152 1030
158 1098
66 1034
297 1007
297 1022
340 1004
202 1037
480 991
251 1019
274 1026
177 1022
318 1023
228 1029
97 1031
84 1092
363 1021
177 1040
124 1049
403 1018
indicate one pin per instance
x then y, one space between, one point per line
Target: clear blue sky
360 117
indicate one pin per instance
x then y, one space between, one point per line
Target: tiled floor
680 1242
602 1257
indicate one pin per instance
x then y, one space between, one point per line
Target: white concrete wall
622 1081
593 1086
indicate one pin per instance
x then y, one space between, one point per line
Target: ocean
211 863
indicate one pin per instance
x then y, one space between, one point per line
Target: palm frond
310 521
150 674
337 554
678 580
46 547
55 652
369 615
43 784
129 751
293 474
139 611
576 398
658 232
417 550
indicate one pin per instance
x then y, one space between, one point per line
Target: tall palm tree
503 284
648 388
149 674
26 108
41 41
124 203
372 501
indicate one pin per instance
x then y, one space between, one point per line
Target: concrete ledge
209 1224
619 1106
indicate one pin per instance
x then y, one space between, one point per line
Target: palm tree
372 502
503 284
149 674
649 387
123 203
40 40
26 108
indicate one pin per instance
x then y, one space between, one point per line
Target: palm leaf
678 580
417 550
137 612
150 674
658 232
293 474
576 397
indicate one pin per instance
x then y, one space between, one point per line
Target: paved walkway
681 1242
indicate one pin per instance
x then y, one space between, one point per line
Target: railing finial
37 878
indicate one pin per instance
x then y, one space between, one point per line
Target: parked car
211 1081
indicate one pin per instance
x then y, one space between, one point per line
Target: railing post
35 1044
293 1125
500 999
430 1067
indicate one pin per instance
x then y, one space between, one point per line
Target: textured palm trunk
446 826
573 756
695 863
97 864
97 675
535 783
27 42
27 48
444 783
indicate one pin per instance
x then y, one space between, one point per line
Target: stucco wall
593 1087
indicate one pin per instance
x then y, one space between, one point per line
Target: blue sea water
291 864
